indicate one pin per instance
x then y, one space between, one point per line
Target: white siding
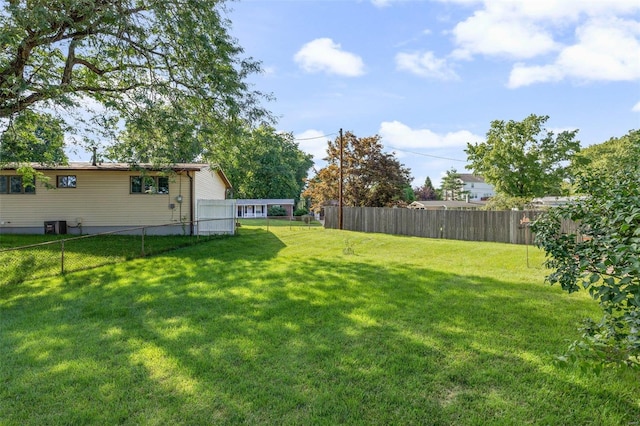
209 185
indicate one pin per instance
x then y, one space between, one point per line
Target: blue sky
428 76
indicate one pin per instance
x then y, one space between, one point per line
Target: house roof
261 201
446 204
177 167
112 166
468 177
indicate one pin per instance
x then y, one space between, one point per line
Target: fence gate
216 217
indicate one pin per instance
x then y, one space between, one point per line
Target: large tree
371 178
522 159
129 56
263 163
32 137
606 158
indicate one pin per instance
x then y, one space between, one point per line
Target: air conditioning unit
55 227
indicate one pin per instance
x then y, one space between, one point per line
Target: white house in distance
257 208
86 198
476 187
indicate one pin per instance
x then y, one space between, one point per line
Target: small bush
300 212
276 211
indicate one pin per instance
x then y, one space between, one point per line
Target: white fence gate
216 217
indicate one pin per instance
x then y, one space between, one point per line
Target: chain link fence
63 255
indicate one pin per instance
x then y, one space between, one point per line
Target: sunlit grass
288 327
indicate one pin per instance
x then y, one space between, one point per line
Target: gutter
191 202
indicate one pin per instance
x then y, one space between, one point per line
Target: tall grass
291 327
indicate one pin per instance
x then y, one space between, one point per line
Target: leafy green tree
129 56
263 163
371 178
605 158
426 191
522 159
32 137
603 257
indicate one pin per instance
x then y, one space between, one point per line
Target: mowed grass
305 326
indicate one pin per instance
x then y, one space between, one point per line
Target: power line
315 137
428 155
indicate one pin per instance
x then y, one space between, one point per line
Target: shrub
276 211
300 212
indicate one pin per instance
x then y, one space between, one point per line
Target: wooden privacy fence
469 225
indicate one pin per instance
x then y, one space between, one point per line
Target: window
149 185
13 185
66 181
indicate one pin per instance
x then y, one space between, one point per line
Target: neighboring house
90 198
475 187
551 201
445 205
252 208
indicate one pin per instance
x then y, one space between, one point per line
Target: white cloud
425 65
313 142
595 40
606 50
381 3
636 107
324 55
400 135
497 34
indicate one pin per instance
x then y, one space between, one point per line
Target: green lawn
302 325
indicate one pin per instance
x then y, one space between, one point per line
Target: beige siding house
87 198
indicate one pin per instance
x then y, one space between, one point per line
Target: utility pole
340 200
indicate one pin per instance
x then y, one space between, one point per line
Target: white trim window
149 185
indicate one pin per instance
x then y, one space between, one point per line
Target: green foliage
371 178
426 191
300 212
602 256
605 158
262 163
522 159
131 57
451 186
276 211
33 137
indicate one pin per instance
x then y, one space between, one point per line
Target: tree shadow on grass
210 336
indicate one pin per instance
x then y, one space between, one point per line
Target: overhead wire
315 137
428 155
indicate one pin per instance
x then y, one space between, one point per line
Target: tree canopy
371 178
451 186
522 159
606 158
426 191
263 163
33 137
129 56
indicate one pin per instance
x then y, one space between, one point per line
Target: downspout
191 202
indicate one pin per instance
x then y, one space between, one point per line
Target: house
92 198
551 201
253 208
445 205
475 187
